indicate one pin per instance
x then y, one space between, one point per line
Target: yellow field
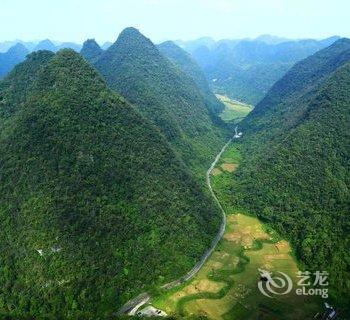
233 110
226 287
230 167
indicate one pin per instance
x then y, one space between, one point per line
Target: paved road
216 240
133 305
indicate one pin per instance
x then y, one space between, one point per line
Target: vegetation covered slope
189 66
91 50
11 57
15 87
287 101
296 151
94 204
134 67
245 70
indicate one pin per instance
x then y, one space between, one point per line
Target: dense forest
95 206
295 173
189 66
103 155
164 94
91 51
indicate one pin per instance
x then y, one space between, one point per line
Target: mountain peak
45 45
131 46
189 66
91 43
171 45
91 50
162 91
304 75
131 31
46 42
76 63
9 59
18 48
81 133
340 42
132 38
173 52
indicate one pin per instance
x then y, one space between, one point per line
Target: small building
237 134
151 311
330 313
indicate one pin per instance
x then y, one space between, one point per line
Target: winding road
134 304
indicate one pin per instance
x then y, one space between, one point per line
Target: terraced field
226 288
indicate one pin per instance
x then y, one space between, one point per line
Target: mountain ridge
189 66
245 70
11 57
134 67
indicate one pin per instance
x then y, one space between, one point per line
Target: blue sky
77 20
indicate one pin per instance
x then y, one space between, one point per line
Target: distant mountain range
49 45
40 45
46 44
12 57
242 69
246 69
15 52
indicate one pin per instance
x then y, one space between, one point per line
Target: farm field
234 110
227 285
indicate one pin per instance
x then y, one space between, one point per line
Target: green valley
146 173
296 162
227 285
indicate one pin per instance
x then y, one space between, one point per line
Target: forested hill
189 66
13 56
15 87
91 51
164 94
296 163
184 61
94 204
306 74
287 101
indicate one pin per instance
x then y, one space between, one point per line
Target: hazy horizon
54 41
160 20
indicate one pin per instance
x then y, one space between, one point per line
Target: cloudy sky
77 20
